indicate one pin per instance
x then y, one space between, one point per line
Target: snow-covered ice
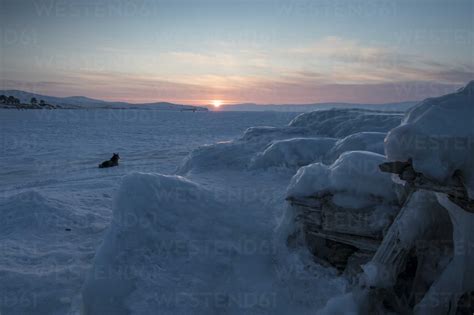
293 152
243 152
340 123
354 172
438 135
360 141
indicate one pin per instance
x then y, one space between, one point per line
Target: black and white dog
112 162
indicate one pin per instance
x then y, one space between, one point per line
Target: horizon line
209 104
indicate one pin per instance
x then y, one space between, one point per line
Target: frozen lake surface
41 149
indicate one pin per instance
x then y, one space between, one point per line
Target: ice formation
293 152
160 224
361 141
457 278
342 210
423 264
340 123
249 150
421 221
354 173
438 135
436 141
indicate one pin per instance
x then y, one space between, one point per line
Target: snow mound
156 219
340 123
294 152
438 135
353 181
228 155
334 123
236 154
265 135
361 141
354 172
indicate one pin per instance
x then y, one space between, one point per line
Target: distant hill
402 106
85 102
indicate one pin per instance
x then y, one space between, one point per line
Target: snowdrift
222 155
294 152
159 223
339 212
361 141
354 173
438 135
236 154
264 146
340 123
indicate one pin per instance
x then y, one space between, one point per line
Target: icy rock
438 135
294 152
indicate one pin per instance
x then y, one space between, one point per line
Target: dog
110 163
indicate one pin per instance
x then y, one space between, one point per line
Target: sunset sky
262 51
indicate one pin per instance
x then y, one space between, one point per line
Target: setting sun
216 103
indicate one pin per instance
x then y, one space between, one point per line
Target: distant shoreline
56 107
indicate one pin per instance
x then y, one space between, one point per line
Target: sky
238 51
